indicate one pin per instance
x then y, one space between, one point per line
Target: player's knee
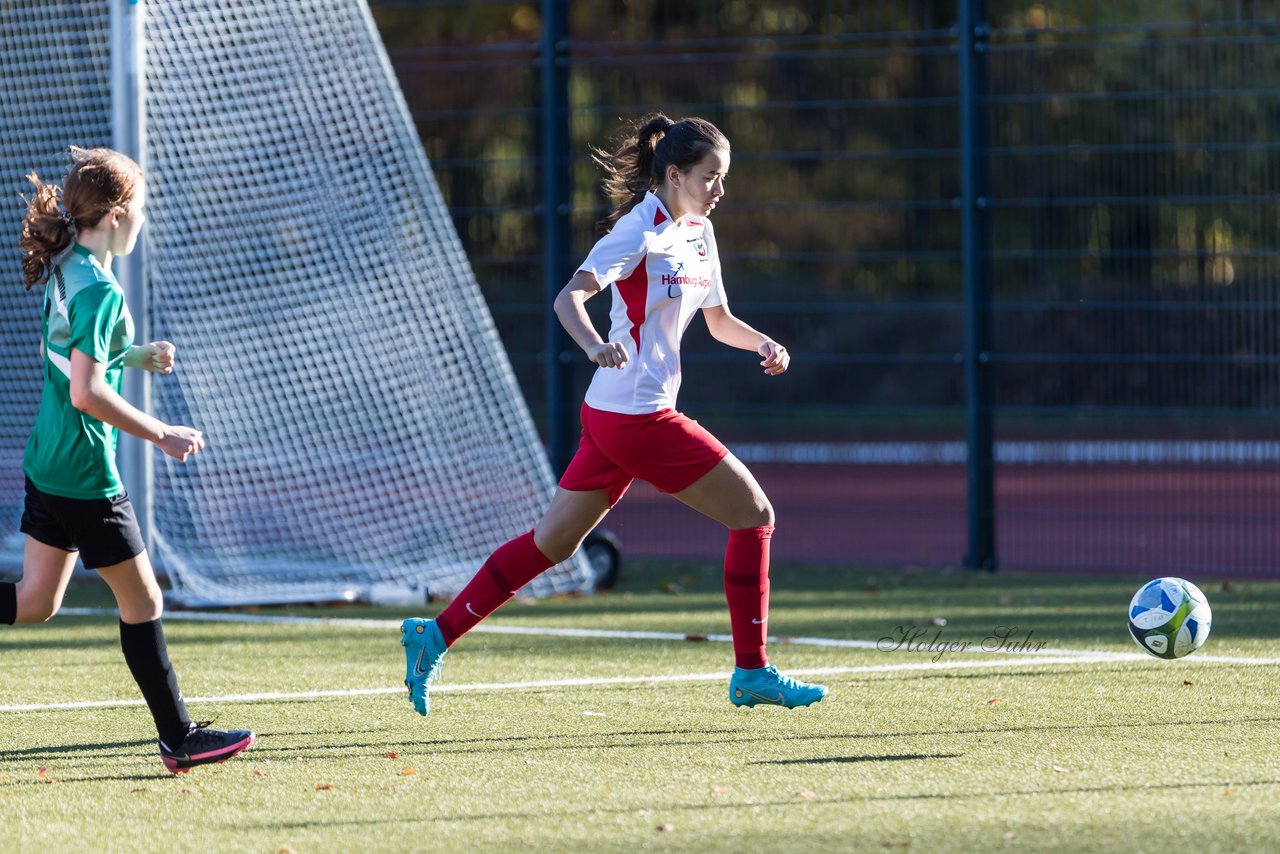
558 543
144 608
154 608
559 550
31 613
36 603
760 514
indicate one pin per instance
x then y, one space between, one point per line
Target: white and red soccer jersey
662 274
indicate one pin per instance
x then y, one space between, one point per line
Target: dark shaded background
1131 189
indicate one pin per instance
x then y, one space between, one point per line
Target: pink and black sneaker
203 745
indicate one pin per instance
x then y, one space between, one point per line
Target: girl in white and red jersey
659 254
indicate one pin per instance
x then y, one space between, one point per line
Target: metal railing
984 222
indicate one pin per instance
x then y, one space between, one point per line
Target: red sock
511 567
746 587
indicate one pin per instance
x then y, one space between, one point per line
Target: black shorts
103 530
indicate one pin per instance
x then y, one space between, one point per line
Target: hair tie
65 217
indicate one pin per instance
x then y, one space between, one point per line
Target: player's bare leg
46 571
729 494
571 516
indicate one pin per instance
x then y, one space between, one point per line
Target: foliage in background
1131 172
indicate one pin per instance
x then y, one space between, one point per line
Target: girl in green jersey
75 503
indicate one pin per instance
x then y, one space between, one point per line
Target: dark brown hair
100 180
640 162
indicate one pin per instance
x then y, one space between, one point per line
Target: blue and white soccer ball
1169 618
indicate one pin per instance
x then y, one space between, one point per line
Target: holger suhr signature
929 639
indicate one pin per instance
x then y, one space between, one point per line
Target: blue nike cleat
766 686
424 651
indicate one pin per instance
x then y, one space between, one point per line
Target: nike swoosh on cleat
776 701
417 665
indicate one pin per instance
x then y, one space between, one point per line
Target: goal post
128 135
365 429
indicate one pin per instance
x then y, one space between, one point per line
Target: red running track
1201 520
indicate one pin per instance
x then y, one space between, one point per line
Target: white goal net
365 429
55 68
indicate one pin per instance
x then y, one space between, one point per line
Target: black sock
8 603
147 655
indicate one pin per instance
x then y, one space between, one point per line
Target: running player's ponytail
100 180
45 233
640 163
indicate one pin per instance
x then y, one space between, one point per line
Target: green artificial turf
911 751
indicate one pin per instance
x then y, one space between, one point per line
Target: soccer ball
1169 618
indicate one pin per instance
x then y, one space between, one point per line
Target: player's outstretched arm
728 329
92 396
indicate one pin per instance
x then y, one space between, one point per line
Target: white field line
1011 659
921 641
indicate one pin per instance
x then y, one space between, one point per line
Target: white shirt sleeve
619 252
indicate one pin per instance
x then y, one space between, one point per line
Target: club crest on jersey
700 246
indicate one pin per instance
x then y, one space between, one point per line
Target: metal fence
1024 255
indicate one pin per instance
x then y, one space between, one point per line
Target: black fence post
977 298
555 211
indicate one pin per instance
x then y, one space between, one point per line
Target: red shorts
666 448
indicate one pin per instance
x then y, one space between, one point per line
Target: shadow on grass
673 739
286 743
21 641
72 749
58 779
561 741
575 812
523 738
1002 673
821 760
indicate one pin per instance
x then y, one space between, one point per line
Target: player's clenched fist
776 358
181 442
157 357
611 354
